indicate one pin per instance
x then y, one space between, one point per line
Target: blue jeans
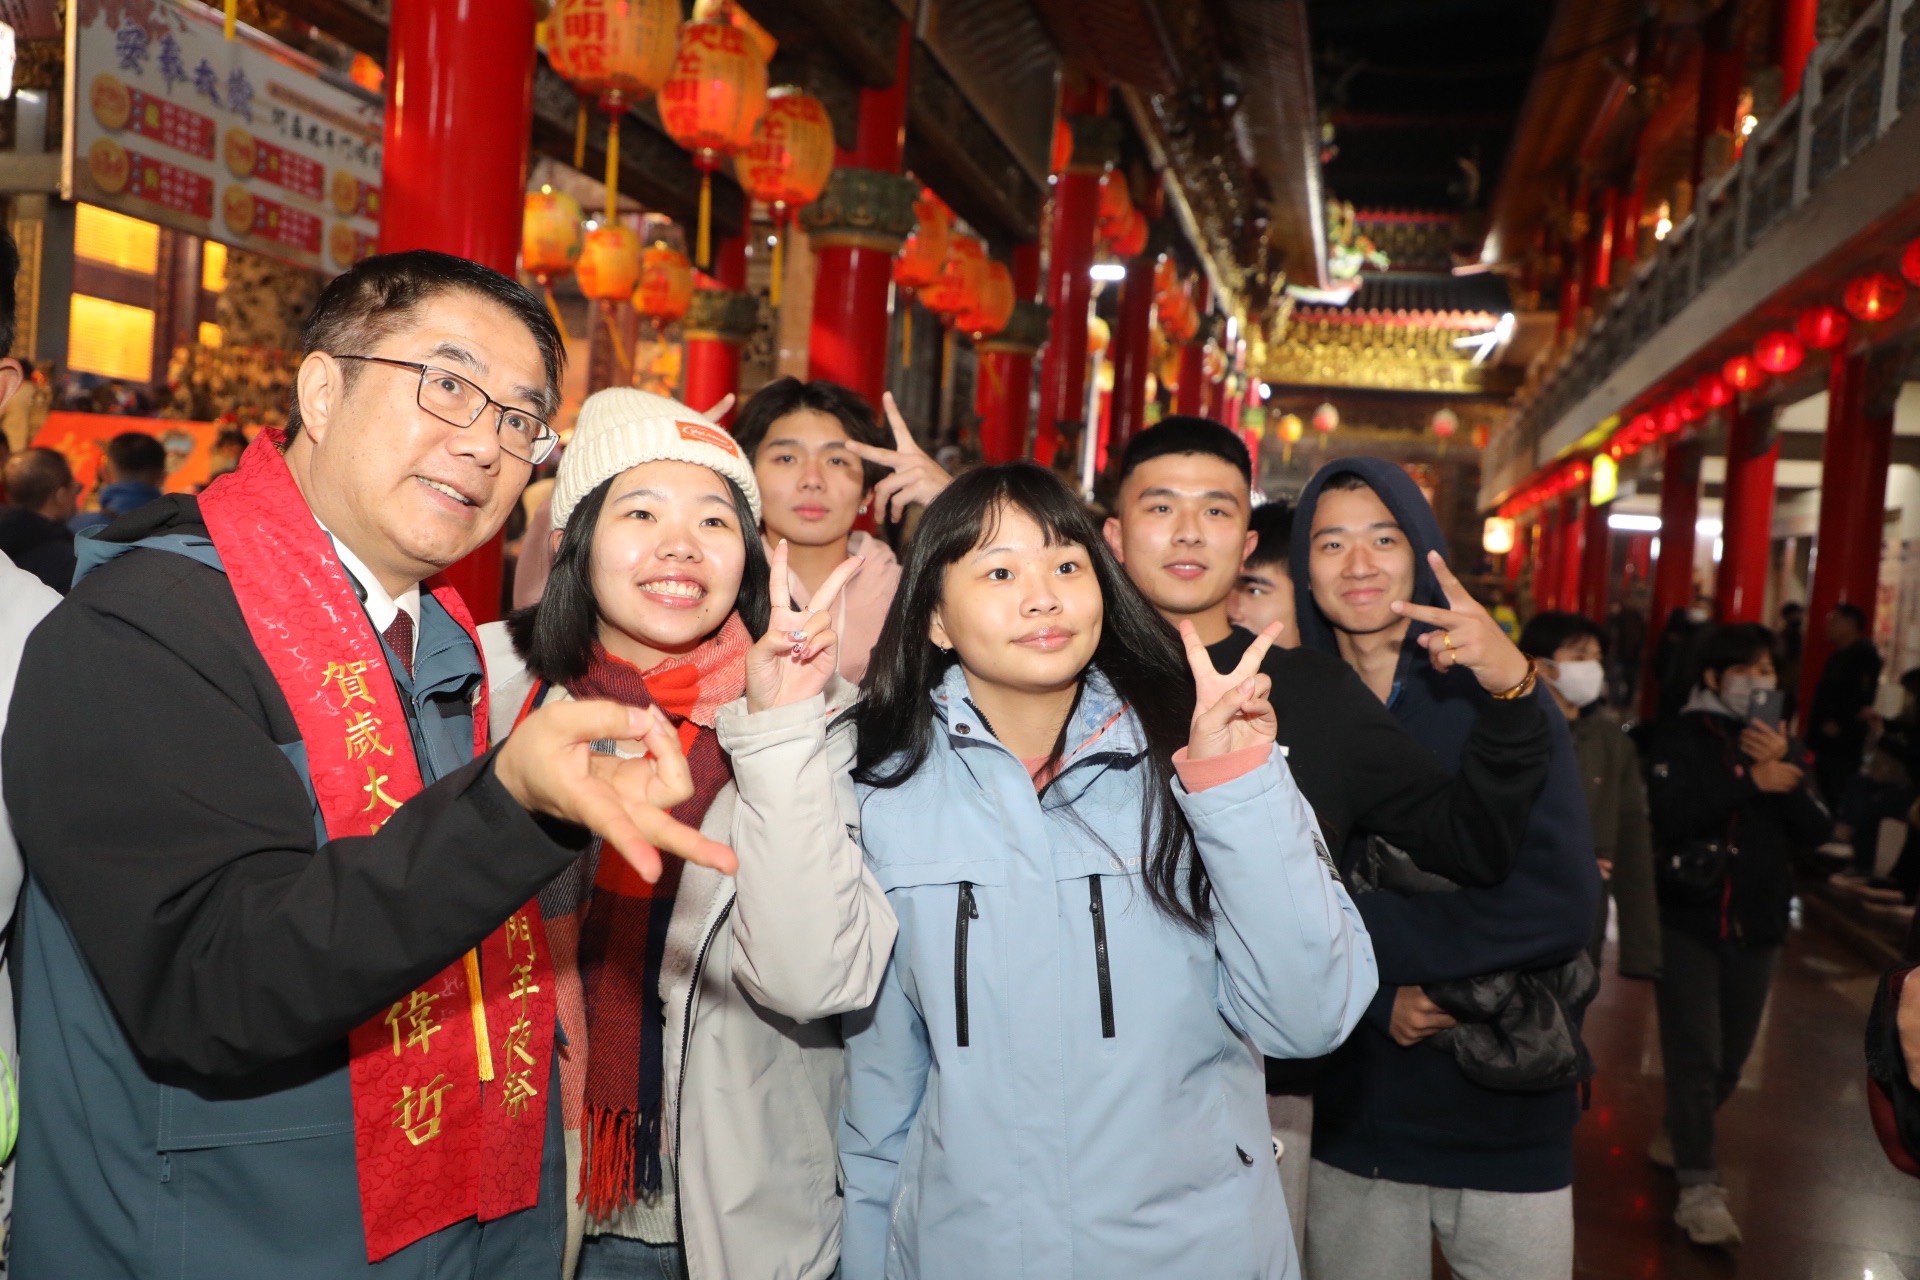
618 1258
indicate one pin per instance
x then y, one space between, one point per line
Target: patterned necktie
399 638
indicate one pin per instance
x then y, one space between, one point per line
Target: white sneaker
1704 1216
1660 1150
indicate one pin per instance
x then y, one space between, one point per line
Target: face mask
1737 692
1580 682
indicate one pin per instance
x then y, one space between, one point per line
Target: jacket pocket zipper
968 911
1098 908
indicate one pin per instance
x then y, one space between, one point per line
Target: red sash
450 1080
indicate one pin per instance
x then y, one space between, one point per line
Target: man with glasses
285 992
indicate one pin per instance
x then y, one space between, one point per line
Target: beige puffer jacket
757 967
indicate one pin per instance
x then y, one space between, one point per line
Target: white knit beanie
622 427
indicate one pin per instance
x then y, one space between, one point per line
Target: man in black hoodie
1407 1149
1180 526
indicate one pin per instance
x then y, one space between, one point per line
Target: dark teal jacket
194 949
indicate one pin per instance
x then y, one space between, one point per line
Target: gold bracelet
1525 686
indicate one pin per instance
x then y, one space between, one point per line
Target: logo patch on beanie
701 433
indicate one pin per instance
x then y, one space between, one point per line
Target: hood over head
1416 518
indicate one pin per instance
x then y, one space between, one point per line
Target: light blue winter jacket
1057 1081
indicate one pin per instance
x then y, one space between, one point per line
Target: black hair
9 271
556 635
1910 681
783 396
1547 633
1852 613
375 298
135 454
1793 606
1734 644
1182 434
35 475
1346 482
1272 524
1139 653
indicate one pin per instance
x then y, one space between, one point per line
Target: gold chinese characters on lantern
711 102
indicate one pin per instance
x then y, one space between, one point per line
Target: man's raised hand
1231 711
914 476
1465 635
800 651
548 765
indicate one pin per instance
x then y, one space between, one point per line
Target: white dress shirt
381 607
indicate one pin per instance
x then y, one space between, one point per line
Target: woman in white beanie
700 1072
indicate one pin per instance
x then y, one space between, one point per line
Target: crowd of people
833 867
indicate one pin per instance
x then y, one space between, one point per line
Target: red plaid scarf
623 934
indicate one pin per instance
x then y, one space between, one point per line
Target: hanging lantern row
1561 481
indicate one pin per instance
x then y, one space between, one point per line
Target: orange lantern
550 235
993 307
787 161
1099 336
958 288
618 51
711 102
1446 423
1326 419
1289 429
1116 202
1131 241
666 284
921 258
1062 147
609 264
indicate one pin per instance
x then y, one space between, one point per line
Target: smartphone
1767 707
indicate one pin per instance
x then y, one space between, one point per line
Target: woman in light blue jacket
1112 901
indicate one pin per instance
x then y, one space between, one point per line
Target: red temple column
718 323
1746 519
1547 560
1573 551
1853 500
1596 565
1004 388
1076 205
1794 38
1722 68
1673 570
856 227
459 70
1190 396
1600 247
1132 353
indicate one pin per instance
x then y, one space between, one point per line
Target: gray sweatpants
1372 1229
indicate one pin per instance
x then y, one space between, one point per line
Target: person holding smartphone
1731 803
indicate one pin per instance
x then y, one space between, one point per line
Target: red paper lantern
1688 405
1326 419
994 305
1116 202
619 51
1713 391
1875 297
958 288
609 265
1823 327
1445 423
711 102
1671 423
925 251
666 284
1131 242
1743 372
1062 147
1910 262
1779 352
790 153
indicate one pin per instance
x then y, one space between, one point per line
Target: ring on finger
1448 637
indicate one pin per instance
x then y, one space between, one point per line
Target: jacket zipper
1097 907
968 911
680 1087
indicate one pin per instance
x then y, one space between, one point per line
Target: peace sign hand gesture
1465 634
915 477
800 651
1231 711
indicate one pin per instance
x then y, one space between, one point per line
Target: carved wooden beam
864 34
957 152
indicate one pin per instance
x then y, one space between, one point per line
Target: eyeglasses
452 399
